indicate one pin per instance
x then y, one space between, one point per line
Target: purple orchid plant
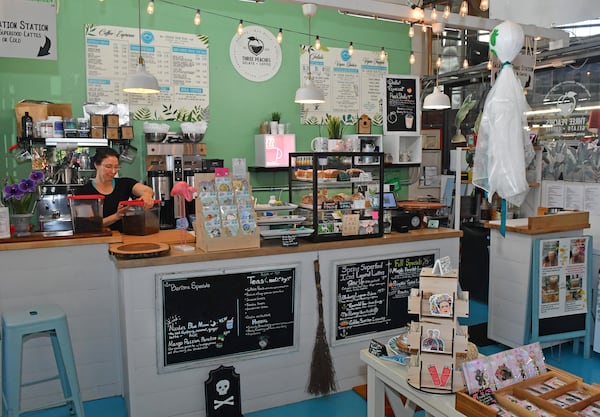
20 197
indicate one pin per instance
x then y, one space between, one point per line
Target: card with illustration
432 341
441 305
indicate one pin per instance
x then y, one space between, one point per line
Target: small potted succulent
275 119
334 127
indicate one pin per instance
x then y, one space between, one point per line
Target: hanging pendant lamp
309 93
436 100
141 81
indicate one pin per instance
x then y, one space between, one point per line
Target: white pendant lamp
436 100
141 81
309 93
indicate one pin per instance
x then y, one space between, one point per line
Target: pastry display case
338 193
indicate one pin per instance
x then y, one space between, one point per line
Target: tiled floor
350 404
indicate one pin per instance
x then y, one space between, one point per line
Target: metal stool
20 322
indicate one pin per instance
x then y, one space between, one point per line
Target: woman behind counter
115 190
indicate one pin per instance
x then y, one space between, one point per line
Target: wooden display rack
223 243
545 401
437 337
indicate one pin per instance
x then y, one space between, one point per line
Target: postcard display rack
437 337
338 193
225 218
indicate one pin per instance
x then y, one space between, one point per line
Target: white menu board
350 84
178 60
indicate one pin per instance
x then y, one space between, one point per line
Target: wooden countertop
274 247
550 223
39 241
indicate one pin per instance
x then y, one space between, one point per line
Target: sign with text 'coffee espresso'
208 316
372 296
401 104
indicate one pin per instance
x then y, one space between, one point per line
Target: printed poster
350 84
178 60
563 279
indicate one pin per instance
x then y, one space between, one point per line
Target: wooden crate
473 408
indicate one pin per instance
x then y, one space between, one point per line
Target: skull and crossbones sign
222 388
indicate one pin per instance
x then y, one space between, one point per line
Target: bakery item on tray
354 172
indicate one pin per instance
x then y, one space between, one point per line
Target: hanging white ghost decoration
503 149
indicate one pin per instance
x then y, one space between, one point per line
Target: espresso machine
167 164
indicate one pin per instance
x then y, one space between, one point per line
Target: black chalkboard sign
401 104
225 314
372 296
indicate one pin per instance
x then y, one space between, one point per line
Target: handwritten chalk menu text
372 296
226 314
401 104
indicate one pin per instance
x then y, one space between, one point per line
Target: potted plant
334 127
275 119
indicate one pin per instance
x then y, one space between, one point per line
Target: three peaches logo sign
255 54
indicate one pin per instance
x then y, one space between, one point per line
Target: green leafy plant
276 116
334 126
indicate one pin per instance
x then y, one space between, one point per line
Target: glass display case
339 193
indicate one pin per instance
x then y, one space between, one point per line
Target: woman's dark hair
103 153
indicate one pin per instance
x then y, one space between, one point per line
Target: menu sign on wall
401 104
372 296
179 61
219 315
350 84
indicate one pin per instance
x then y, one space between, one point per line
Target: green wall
237 105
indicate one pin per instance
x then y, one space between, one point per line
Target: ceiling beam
392 11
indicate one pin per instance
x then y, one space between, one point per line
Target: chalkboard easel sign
401 104
207 315
372 295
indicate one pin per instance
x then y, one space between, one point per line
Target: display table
385 377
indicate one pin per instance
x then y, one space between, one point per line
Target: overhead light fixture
411 30
412 59
464 8
350 49
447 11
437 100
240 28
150 7
484 5
197 18
317 43
309 93
280 36
141 82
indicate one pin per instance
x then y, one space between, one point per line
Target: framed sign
401 104
431 138
207 315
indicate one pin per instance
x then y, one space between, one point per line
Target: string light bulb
382 54
280 36
424 28
412 58
464 8
240 28
438 62
489 65
317 43
447 12
350 49
484 5
466 63
411 31
197 18
434 15
150 7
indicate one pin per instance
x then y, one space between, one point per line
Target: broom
322 373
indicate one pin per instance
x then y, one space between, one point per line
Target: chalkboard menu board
372 296
401 104
225 314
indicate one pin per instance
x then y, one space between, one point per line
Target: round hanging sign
255 54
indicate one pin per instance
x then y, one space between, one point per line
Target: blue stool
20 322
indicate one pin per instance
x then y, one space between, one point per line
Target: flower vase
21 223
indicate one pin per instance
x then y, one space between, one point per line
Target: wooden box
528 390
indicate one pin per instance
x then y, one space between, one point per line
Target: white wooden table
386 377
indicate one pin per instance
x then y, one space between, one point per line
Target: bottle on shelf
26 126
